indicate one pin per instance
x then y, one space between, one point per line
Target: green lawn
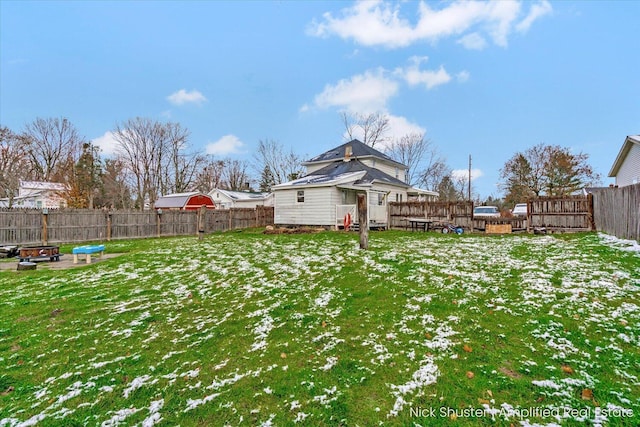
243 328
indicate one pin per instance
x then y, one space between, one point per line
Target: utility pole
469 177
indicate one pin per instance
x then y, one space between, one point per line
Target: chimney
348 151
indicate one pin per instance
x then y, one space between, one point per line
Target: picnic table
419 223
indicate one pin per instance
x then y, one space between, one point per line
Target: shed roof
242 195
626 147
177 200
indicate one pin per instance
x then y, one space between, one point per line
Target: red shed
185 201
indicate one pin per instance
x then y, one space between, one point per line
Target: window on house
373 164
380 199
397 197
397 173
300 196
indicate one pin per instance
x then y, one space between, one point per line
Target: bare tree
425 167
235 176
371 128
50 142
146 149
181 167
13 163
115 191
209 176
282 165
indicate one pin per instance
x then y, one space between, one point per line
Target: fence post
201 214
45 215
108 231
363 220
158 218
591 219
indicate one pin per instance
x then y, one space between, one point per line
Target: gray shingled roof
337 170
358 149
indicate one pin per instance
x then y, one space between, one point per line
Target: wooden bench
87 250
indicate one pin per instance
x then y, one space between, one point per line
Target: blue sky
486 79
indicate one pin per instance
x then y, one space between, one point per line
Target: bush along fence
20 227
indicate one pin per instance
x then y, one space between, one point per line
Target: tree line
153 158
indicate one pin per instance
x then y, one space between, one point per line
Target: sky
479 79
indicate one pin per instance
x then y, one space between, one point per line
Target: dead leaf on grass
567 369
467 348
587 394
470 375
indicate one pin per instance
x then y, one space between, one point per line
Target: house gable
355 150
626 168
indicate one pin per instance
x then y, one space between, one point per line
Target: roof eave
626 147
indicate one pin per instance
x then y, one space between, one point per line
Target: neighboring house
226 199
184 201
329 190
626 168
38 195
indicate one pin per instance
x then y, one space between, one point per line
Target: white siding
390 170
318 208
316 166
221 200
393 192
629 172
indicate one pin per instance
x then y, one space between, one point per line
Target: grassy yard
243 328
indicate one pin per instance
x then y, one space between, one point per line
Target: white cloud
537 10
464 174
398 127
228 144
429 78
463 76
107 143
362 93
473 41
380 23
183 97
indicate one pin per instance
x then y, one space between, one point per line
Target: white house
626 168
226 199
328 192
38 195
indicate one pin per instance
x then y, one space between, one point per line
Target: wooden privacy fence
617 211
554 214
568 213
458 213
20 226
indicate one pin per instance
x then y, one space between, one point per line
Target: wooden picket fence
33 226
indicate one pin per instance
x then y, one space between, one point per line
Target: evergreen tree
266 180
